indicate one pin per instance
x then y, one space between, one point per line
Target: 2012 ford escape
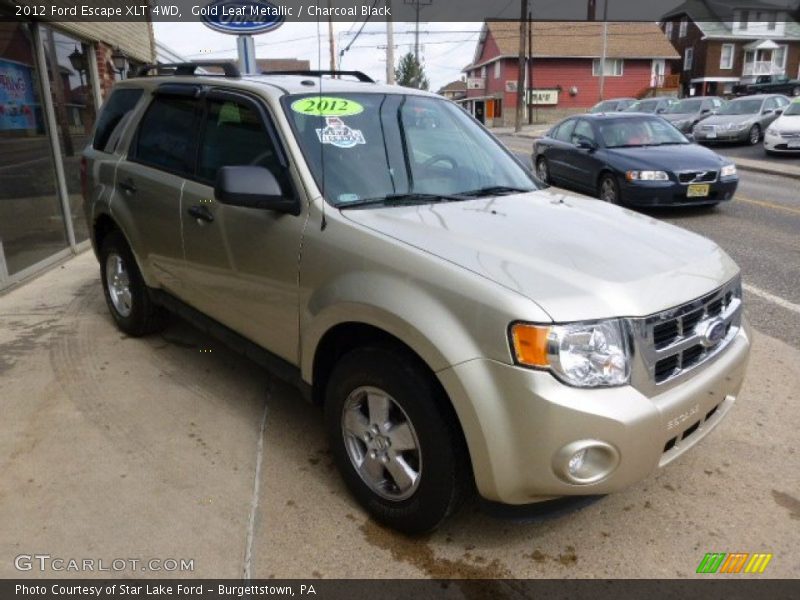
465 326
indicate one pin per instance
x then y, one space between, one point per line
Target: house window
772 21
613 67
744 17
683 27
668 30
497 70
726 57
483 72
688 57
779 58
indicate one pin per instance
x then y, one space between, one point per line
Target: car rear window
167 134
118 105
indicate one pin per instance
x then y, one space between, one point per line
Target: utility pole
389 44
529 70
416 34
331 47
605 51
521 74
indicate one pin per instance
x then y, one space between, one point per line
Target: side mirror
767 111
705 111
253 187
778 111
585 143
690 137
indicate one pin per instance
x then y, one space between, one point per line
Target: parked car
613 105
741 120
463 326
633 159
687 113
783 136
769 84
651 105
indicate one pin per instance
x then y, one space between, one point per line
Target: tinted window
582 130
166 134
564 131
235 135
118 105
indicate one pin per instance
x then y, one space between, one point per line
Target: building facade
563 67
53 78
455 90
725 43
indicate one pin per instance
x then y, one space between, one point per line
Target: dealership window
497 70
684 26
668 30
726 56
688 57
613 67
32 226
68 70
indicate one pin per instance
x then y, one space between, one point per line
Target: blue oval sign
242 17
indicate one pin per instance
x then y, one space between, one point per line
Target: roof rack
188 68
319 73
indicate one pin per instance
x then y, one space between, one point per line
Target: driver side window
583 130
233 134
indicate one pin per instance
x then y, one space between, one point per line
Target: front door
657 72
241 263
479 111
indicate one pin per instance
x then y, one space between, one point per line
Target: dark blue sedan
633 159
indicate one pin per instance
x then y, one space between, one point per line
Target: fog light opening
585 461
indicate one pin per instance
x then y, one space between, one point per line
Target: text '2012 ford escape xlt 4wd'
464 326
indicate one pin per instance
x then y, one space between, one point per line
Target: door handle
201 213
128 186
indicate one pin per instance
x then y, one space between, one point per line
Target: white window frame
684 27
668 29
483 72
731 59
743 20
688 59
617 67
497 69
785 56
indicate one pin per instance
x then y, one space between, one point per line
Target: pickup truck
769 84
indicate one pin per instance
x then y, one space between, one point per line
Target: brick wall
105 67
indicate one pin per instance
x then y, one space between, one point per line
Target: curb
766 170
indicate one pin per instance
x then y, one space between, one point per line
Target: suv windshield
643 131
362 147
684 107
741 107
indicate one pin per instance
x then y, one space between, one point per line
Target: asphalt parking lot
172 447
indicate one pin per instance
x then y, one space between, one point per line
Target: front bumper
517 421
722 135
672 193
780 144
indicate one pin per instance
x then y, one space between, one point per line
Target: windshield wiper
400 199
494 190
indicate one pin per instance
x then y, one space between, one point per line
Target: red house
564 67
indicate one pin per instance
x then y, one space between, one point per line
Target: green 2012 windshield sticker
327 106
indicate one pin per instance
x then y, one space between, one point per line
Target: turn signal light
530 344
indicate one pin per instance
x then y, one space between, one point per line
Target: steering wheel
440 158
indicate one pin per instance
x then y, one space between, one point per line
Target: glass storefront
32 113
31 220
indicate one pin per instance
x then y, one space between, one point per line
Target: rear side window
118 105
166 134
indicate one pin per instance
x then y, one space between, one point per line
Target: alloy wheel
755 135
381 443
119 285
608 191
542 171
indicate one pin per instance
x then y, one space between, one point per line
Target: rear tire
395 440
796 90
126 294
543 170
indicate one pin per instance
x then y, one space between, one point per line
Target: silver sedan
741 120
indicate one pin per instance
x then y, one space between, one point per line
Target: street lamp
120 61
78 61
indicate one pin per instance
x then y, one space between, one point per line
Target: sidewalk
743 164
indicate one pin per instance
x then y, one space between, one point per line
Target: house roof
282 64
569 39
714 18
454 86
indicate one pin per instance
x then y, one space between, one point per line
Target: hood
725 119
787 124
577 258
672 117
686 157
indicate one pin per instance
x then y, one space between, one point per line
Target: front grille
673 342
687 177
790 136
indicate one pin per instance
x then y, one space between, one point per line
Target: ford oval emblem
713 332
242 17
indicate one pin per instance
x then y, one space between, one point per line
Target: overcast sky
445 48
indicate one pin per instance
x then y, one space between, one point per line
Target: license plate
711 133
793 144
697 190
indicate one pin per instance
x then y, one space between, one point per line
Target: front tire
796 90
608 190
395 440
754 136
126 294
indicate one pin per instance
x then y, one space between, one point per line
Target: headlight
579 354
728 171
646 176
772 132
738 126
